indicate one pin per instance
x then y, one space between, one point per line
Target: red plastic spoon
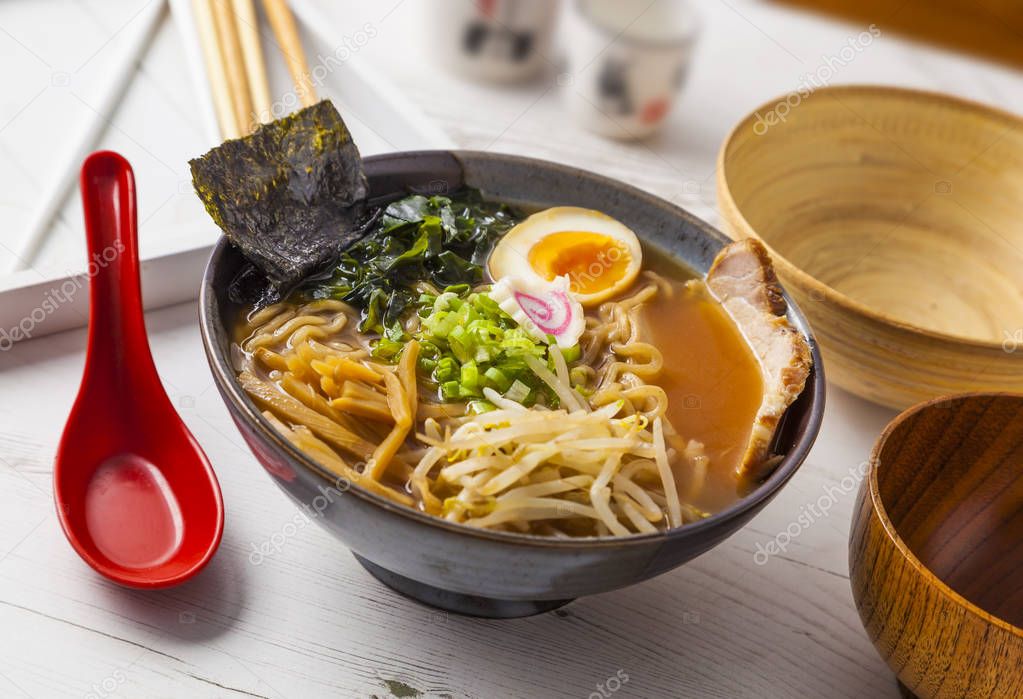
135 494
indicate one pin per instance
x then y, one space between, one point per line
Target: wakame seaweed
443 241
290 196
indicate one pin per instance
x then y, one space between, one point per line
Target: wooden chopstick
229 33
283 24
216 69
252 55
234 64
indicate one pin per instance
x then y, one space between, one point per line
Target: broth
713 379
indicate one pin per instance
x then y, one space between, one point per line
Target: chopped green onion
447 369
478 407
483 354
467 342
518 392
387 349
497 379
470 375
572 354
443 301
578 376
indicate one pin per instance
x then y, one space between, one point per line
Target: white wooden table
308 621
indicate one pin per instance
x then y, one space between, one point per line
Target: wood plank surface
308 621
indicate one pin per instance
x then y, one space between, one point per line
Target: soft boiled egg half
600 256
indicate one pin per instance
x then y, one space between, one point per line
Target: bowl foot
470 605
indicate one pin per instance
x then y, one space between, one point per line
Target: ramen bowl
893 217
934 555
478 571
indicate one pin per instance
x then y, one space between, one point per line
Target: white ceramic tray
164 119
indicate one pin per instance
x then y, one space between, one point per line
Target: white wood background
308 621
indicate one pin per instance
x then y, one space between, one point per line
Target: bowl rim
881 512
226 380
733 214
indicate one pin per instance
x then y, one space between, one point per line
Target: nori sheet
290 196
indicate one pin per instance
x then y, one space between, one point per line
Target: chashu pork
742 279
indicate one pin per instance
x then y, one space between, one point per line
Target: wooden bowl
935 559
895 219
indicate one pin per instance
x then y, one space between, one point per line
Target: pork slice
742 279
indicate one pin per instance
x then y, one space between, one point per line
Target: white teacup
500 40
627 60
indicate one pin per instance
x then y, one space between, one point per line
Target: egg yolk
592 262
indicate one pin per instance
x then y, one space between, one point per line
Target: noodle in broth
610 463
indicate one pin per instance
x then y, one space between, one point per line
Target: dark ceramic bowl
470 570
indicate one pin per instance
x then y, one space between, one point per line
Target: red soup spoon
136 496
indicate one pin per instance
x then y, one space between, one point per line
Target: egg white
511 254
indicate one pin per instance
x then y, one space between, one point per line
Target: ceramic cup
627 60
498 40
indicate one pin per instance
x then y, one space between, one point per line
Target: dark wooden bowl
936 549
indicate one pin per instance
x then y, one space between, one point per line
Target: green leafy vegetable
438 240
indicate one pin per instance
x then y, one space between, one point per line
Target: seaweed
439 240
291 196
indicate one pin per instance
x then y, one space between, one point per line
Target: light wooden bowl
895 219
935 559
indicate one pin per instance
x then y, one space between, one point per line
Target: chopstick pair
229 34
